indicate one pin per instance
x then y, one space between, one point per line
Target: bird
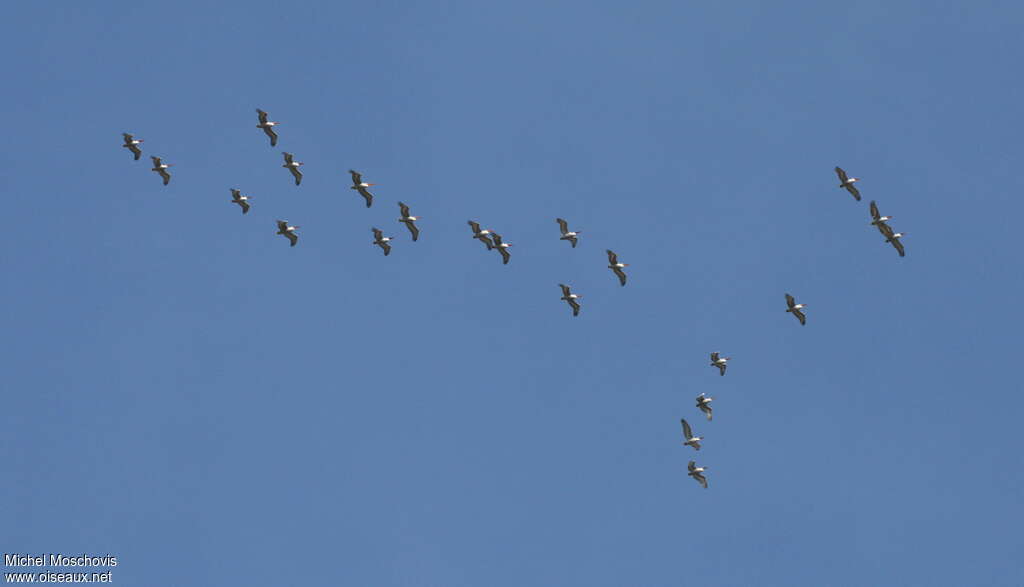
567 235
287 231
132 144
502 247
160 167
719 362
267 126
894 238
704 403
697 473
571 299
616 267
360 186
877 220
690 439
410 221
238 198
481 234
847 182
796 309
293 166
382 241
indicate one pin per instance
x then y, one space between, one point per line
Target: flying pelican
360 186
847 182
719 362
132 144
293 166
697 473
704 403
238 198
287 231
877 220
894 238
481 234
160 167
567 235
382 241
616 267
691 440
571 298
410 221
502 247
267 126
796 309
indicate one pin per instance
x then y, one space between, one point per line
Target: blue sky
188 393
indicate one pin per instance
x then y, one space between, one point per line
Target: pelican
287 231
382 241
697 473
616 267
796 309
571 298
360 186
719 362
410 221
877 220
293 166
238 198
567 235
691 440
160 167
132 144
267 126
704 403
502 247
847 182
481 234
894 238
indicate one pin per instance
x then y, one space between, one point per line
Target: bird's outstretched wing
842 175
404 209
562 225
575 307
800 315
790 301
899 246
413 229
622 275
366 195
874 211
269 130
686 429
262 115
853 190
505 256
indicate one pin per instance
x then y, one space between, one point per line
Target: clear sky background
186 392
